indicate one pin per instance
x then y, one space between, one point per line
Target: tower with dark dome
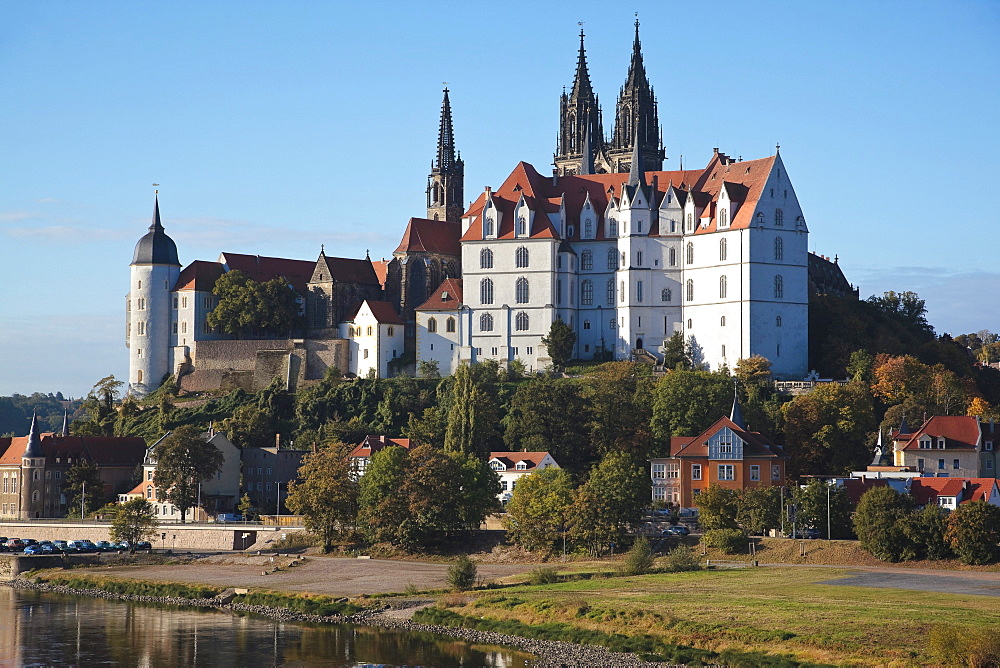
149 311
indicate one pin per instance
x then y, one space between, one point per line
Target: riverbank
550 653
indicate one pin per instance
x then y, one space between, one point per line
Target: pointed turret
155 247
65 426
581 81
737 413
34 446
446 182
581 131
637 170
636 115
903 427
587 161
636 70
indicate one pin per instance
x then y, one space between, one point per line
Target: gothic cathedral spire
445 184
580 127
636 117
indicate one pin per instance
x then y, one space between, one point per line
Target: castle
625 252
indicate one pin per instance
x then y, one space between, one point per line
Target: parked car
143 545
28 541
810 534
228 517
677 530
15 545
83 545
39 548
61 546
105 546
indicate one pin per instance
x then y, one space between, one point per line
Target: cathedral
624 252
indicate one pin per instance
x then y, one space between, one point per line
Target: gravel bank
551 654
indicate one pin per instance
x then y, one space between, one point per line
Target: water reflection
50 629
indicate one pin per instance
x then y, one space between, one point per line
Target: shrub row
310 605
132 587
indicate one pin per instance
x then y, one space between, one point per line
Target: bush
462 574
543 575
974 532
730 541
681 558
639 559
879 522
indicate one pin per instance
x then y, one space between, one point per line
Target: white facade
510 467
375 338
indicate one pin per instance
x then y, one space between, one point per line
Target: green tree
183 460
246 305
474 415
247 508
134 521
536 513
905 307
685 403
325 494
675 353
828 429
609 505
639 559
811 508
83 482
718 508
100 407
974 532
926 531
478 487
428 369
431 490
249 427
551 415
559 343
758 509
878 522
618 397
462 573
382 509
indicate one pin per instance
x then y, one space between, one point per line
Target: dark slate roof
34 446
156 247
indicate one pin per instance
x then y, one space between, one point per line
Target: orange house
724 455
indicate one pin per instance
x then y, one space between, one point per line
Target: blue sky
276 127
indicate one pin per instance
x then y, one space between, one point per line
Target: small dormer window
489 226
940 443
522 466
497 466
988 445
925 443
723 218
522 225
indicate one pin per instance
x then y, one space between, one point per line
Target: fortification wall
253 363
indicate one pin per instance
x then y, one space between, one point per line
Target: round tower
32 474
153 274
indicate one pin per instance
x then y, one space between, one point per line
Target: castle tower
153 273
32 474
445 184
580 127
636 117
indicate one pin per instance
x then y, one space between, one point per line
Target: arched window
486 259
689 289
689 323
521 322
779 218
521 291
449 325
521 257
488 226
779 287
672 255
722 321
370 330
486 323
723 249
149 491
588 228
779 249
587 260
666 295
587 293
35 474
34 496
760 219
612 228
486 291
139 377
690 222
611 291
432 325
777 321
723 218
522 225
690 253
612 259
722 287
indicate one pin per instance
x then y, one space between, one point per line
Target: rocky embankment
550 653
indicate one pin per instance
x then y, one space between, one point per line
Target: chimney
277 441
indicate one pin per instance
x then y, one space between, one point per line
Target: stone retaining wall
178 537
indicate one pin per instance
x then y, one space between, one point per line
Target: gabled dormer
562 216
690 215
588 219
523 218
730 198
725 444
611 217
671 212
492 217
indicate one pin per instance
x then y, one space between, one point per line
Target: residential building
439 327
510 467
725 455
375 338
948 446
362 454
266 473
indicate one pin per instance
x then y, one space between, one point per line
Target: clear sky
274 127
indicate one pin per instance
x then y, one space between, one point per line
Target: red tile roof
103 451
349 270
383 312
261 269
856 487
199 275
447 297
381 268
431 236
511 459
373 444
959 432
744 181
756 444
927 490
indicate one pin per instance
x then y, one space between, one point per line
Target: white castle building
624 252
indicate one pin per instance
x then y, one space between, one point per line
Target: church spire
636 70
636 116
581 131
581 83
446 136
637 171
34 446
737 413
587 161
446 182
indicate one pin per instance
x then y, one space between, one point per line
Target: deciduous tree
718 508
974 532
325 495
83 479
811 503
879 520
536 512
559 343
610 503
474 415
134 521
551 414
183 460
382 509
618 394
828 429
685 403
758 509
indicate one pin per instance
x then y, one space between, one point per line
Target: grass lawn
776 610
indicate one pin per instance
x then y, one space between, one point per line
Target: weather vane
156 185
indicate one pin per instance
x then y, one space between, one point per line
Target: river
42 629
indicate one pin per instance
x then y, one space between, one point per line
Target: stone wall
178 537
252 364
